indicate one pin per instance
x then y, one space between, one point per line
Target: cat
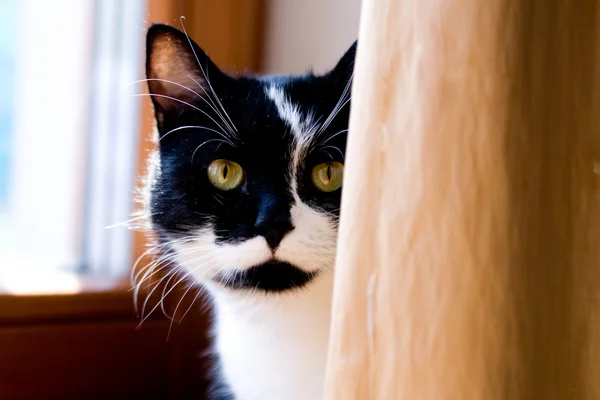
245 195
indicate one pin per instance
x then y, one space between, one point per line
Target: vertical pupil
329 172
225 170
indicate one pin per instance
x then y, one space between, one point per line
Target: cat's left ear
177 69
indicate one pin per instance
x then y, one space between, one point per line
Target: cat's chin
271 277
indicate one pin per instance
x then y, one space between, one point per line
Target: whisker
191 305
181 19
208 141
126 223
185 264
187 310
329 154
168 81
197 127
169 275
213 106
333 147
178 268
334 115
190 272
334 135
133 278
175 314
218 200
151 268
187 104
344 98
166 260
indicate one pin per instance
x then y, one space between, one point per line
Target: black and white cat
245 194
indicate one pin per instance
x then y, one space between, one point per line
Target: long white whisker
133 278
191 305
199 146
334 135
159 265
185 276
169 275
176 308
168 81
126 224
198 127
185 264
338 107
333 147
329 154
202 69
147 275
134 275
192 286
213 106
187 104
169 258
334 115
151 269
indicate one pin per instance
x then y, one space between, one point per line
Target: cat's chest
278 351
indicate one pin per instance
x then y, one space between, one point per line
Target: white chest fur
275 347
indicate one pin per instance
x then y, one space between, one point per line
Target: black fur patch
273 276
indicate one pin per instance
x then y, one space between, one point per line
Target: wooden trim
469 245
85 306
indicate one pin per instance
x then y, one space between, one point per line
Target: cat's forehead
293 109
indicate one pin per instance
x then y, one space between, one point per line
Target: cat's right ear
176 69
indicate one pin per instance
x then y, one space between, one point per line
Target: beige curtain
469 252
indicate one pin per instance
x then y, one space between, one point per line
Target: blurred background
74 135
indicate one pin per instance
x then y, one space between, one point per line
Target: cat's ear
176 68
345 67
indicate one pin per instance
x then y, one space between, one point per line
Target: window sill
84 342
64 297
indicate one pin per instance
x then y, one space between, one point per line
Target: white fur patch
275 348
303 129
288 112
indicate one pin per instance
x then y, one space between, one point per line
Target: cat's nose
273 229
273 220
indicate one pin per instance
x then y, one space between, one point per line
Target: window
68 146
8 49
68 136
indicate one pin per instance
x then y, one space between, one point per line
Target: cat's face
246 191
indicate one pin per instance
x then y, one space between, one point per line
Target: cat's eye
328 176
225 174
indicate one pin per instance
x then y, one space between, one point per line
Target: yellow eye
225 174
328 177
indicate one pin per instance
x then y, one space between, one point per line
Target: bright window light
68 134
